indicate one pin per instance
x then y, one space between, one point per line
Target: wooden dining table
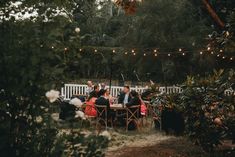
117 107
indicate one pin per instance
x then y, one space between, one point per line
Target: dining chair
102 116
133 114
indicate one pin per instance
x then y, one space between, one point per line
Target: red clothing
90 107
143 108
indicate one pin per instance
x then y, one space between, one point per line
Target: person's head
107 92
96 88
92 95
103 85
89 83
102 92
126 89
134 94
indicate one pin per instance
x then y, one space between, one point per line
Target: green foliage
208 113
34 60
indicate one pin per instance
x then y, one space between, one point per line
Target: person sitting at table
124 96
102 101
135 101
90 105
109 96
89 88
95 92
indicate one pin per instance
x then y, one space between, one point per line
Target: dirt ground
153 144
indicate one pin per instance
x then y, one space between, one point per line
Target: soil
152 144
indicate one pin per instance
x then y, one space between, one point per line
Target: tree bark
213 13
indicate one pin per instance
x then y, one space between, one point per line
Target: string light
156 52
41 45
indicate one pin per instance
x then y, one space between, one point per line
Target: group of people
100 96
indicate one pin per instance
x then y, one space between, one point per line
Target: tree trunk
213 13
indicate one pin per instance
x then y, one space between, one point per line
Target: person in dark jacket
102 101
135 101
124 96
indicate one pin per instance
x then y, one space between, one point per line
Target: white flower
80 114
106 134
39 119
52 95
77 30
76 102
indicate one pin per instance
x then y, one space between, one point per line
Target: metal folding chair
133 114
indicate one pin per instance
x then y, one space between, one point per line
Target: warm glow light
95 50
180 49
208 48
155 55
220 50
231 58
183 54
212 52
201 53
125 53
169 54
224 57
218 55
41 45
155 50
114 51
134 54
52 47
132 51
65 48
80 49
144 54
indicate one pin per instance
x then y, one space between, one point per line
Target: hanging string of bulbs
155 52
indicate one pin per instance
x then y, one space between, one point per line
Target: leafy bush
208 113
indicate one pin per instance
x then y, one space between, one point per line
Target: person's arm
130 103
